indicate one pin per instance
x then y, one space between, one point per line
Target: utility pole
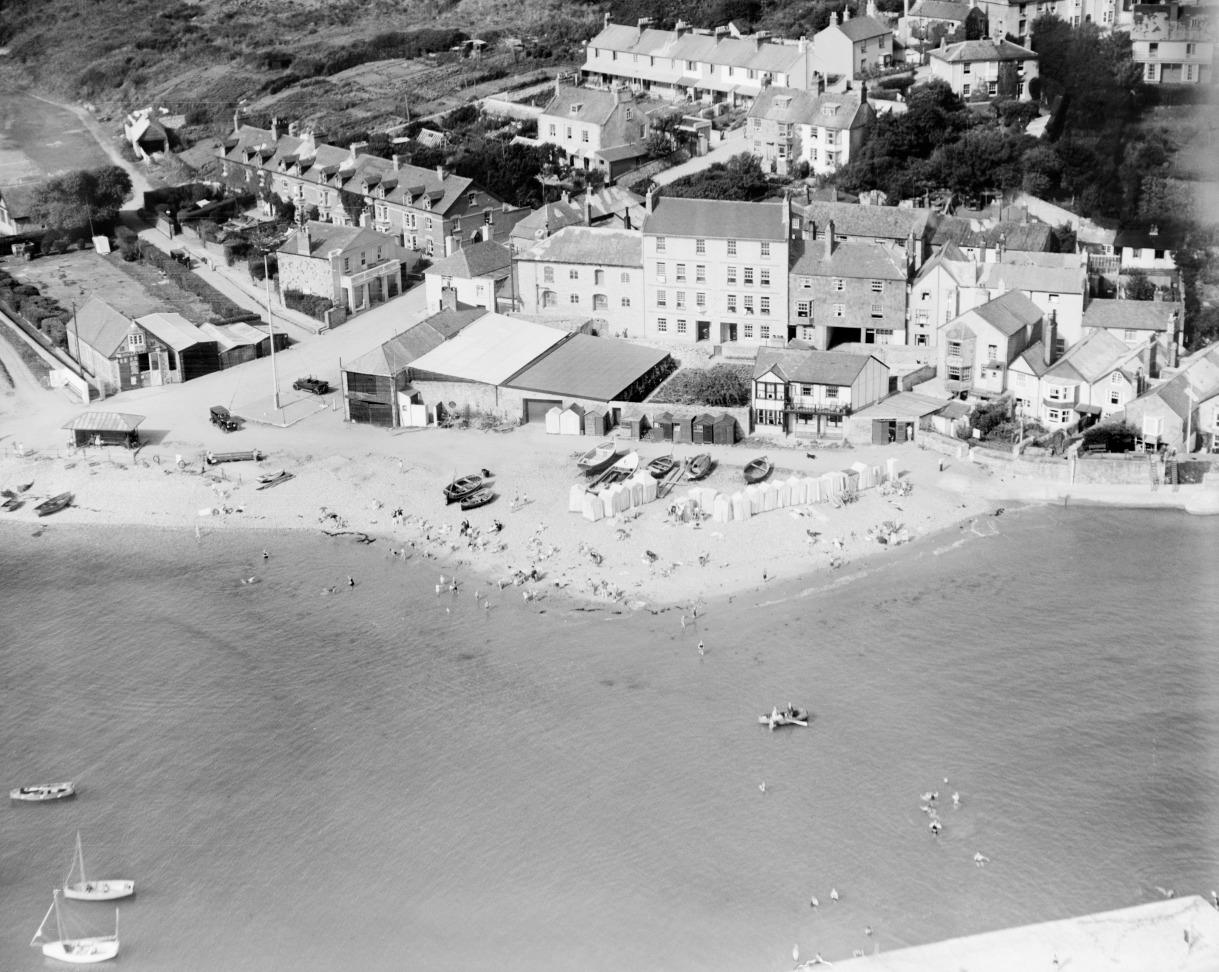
266 269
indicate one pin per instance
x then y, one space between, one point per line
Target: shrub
310 304
721 386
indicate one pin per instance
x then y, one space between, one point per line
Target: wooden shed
638 425
683 428
704 428
597 422
105 428
571 420
725 430
664 422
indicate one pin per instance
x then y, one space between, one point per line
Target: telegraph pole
266 269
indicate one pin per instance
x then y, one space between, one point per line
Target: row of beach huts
706 429
747 502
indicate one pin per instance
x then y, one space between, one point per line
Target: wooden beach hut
105 429
683 428
664 423
637 425
704 429
597 422
725 430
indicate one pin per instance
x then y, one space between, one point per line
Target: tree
84 198
1137 286
740 178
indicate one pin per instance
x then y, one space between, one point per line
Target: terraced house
421 206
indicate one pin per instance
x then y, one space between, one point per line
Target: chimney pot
274 129
441 172
649 200
829 239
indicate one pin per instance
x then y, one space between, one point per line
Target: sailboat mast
80 857
58 918
42 924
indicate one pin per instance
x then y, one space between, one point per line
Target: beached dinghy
758 470
274 479
699 467
103 889
789 716
54 504
661 466
597 458
459 489
44 791
77 951
480 498
622 469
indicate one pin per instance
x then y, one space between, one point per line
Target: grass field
38 140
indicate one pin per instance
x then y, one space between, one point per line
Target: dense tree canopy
82 198
740 178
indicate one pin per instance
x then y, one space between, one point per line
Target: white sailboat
78 951
93 890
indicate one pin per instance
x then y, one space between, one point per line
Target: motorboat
40 792
597 458
459 489
699 467
757 470
54 504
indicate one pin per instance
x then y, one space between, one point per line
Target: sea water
303 774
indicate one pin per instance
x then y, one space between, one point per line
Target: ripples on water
381 778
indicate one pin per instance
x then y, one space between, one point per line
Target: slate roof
859 28
1014 235
746 51
581 244
811 367
1097 355
877 222
1007 313
484 259
716 219
1134 315
785 105
874 261
940 10
590 105
1018 276
550 217
324 237
396 354
1141 239
101 327
597 368
982 50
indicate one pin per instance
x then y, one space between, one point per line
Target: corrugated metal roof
590 367
903 405
172 329
491 350
105 422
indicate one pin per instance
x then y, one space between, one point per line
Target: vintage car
315 385
222 418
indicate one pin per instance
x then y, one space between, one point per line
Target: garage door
536 408
373 413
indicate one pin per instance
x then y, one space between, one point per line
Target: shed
683 428
704 428
554 421
105 428
638 425
571 420
664 422
597 422
725 430
596 369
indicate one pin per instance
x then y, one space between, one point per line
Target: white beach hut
783 499
797 488
617 499
740 506
723 509
647 487
571 420
769 496
753 492
891 469
553 421
707 495
593 510
575 499
830 485
865 474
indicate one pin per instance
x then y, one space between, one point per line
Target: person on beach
497 525
701 649
351 581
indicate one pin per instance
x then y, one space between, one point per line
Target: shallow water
384 778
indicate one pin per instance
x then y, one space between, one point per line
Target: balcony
381 269
816 407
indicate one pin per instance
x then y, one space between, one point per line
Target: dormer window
829 111
575 109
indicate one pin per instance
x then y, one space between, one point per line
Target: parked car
222 418
315 385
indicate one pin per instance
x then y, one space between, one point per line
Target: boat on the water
789 716
597 458
624 468
246 455
459 489
54 504
757 470
476 499
699 467
661 466
274 479
40 792
78 951
98 889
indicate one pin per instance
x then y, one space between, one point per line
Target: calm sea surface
381 778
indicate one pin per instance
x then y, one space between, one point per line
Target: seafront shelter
105 429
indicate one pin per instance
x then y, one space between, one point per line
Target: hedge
310 304
221 306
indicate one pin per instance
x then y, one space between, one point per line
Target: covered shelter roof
105 422
174 329
903 405
590 367
491 350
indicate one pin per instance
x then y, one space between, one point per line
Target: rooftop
940 10
325 237
982 50
876 222
860 28
172 329
597 368
812 367
1007 313
1134 315
485 259
580 244
490 350
716 219
866 259
100 326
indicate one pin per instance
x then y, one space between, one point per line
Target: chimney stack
829 239
1049 338
649 200
846 14
588 205
294 128
441 173
448 298
397 160
870 10
236 121
274 129
450 246
303 241
605 22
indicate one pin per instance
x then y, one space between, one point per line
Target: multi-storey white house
598 130
705 65
715 271
478 275
976 348
1015 17
813 392
1097 377
584 272
834 132
1172 45
983 69
1139 324
785 127
854 47
352 267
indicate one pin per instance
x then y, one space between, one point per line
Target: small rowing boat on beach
616 473
790 716
41 792
597 458
54 504
95 890
699 467
248 455
480 498
12 504
459 489
274 479
757 470
661 466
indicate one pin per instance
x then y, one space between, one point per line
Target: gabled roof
485 259
325 237
582 244
1008 313
1033 359
1019 276
787 105
105 422
748 51
982 50
597 368
716 219
230 335
1144 239
591 106
1134 315
877 222
859 28
811 367
491 350
1014 235
940 10
1097 355
866 259
173 330
547 219
101 327
396 354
